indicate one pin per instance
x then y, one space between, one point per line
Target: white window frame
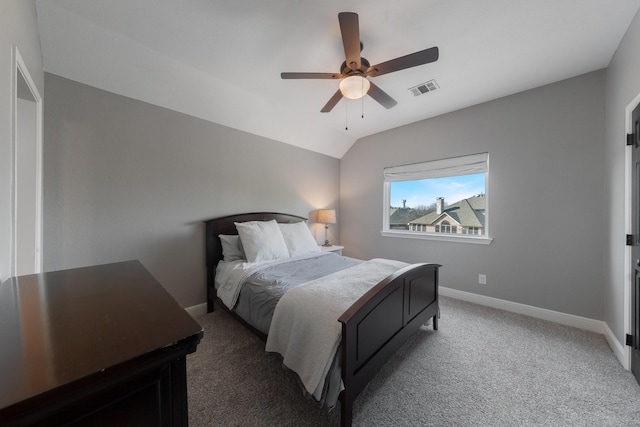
455 166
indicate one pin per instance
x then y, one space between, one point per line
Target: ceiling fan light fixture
354 87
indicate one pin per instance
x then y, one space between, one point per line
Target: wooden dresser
96 346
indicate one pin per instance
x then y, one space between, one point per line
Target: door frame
629 279
18 66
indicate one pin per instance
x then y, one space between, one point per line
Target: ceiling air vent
423 88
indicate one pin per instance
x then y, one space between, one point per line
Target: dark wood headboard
225 225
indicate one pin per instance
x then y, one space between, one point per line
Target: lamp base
326 238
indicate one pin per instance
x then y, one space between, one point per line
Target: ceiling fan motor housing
345 70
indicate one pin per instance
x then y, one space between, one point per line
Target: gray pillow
231 248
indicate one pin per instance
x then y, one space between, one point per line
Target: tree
424 209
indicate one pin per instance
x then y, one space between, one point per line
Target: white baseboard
617 347
592 325
195 310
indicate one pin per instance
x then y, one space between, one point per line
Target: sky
424 192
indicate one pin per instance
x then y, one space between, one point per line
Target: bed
371 326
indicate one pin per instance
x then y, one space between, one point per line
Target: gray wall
622 87
17 27
128 180
547 203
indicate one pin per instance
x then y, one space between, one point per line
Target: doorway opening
26 188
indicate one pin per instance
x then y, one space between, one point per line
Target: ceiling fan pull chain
362 99
346 116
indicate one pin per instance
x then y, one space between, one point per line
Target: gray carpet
483 367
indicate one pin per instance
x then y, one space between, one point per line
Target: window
445 199
472 230
445 227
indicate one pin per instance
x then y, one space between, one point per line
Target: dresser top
59 327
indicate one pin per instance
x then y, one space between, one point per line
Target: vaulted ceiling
221 60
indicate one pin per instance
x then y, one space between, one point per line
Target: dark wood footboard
380 322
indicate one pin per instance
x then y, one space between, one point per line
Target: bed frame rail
380 322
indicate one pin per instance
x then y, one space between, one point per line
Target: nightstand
333 248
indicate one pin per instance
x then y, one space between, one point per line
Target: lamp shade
326 216
354 87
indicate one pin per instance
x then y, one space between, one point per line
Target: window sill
442 237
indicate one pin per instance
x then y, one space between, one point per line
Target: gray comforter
263 289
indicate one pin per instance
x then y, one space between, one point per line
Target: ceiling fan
355 70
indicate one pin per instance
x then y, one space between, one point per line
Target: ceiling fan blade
332 102
350 30
311 75
381 96
418 58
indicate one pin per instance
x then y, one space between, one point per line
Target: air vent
423 88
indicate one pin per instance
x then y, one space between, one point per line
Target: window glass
444 197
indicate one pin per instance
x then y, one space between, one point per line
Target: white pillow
231 247
262 240
299 239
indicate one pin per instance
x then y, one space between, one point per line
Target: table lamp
326 217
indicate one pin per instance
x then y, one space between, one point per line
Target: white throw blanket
305 328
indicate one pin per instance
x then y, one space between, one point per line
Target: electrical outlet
482 279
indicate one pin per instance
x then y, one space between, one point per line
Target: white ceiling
221 60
